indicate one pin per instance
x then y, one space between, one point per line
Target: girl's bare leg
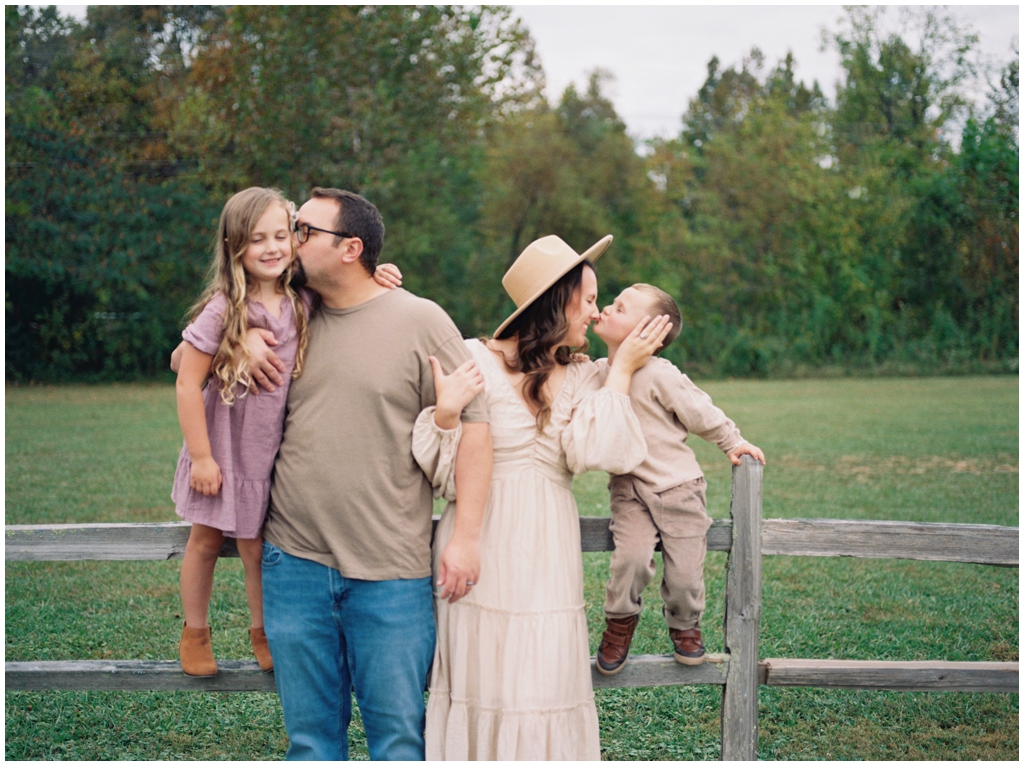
251 552
197 573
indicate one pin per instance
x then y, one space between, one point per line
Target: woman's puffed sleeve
603 432
435 449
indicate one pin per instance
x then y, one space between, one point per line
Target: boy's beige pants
640 518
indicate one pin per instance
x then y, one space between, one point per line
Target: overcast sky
659 53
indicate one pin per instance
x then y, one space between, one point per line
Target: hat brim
590 254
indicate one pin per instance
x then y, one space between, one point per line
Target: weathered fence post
743 615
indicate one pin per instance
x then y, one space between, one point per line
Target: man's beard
298 276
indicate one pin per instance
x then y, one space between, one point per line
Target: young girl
222 483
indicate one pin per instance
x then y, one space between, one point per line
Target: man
346 559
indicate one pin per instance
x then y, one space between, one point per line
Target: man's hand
459 569
387 275
454 391
176 356
746 449
265 367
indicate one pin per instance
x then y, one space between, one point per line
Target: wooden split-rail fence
739 670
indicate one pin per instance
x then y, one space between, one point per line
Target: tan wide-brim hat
540 265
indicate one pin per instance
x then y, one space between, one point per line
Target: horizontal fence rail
965 543
134 675
246 676
922 541
642 670
894 676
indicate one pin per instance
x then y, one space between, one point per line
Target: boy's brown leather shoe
196 652
689 647
614 648
261 649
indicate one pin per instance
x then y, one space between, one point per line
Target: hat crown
541 263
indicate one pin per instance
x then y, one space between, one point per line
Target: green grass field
940 449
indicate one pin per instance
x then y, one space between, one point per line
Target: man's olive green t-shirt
347 492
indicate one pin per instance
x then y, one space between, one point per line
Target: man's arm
265 367
176 356
460 560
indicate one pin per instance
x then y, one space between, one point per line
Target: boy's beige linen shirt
670 407
347 492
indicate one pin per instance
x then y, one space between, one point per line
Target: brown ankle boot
261 649
196 652
614 648
689 647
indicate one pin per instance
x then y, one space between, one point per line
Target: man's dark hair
360 218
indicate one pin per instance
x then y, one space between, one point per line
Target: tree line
873 230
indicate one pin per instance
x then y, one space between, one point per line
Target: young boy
664 498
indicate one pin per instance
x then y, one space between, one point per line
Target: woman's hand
641 343
265 367
745 449
635 350
388 275
458 569
205 476
455 391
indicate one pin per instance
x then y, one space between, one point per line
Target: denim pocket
272 555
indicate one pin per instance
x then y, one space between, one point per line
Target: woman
511 675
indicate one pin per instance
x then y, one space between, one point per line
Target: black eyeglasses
302 232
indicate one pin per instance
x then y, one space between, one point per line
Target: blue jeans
329 633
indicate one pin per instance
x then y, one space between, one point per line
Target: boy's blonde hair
662 303
240 215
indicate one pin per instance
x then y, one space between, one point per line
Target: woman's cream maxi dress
511 675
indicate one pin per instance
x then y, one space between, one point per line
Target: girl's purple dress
244 437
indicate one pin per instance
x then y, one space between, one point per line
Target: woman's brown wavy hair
226 275
538 330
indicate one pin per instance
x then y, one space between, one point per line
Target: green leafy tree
796 233
390 101
99 268
894 113
104 248
761 265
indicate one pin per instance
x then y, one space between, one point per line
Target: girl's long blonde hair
227 276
